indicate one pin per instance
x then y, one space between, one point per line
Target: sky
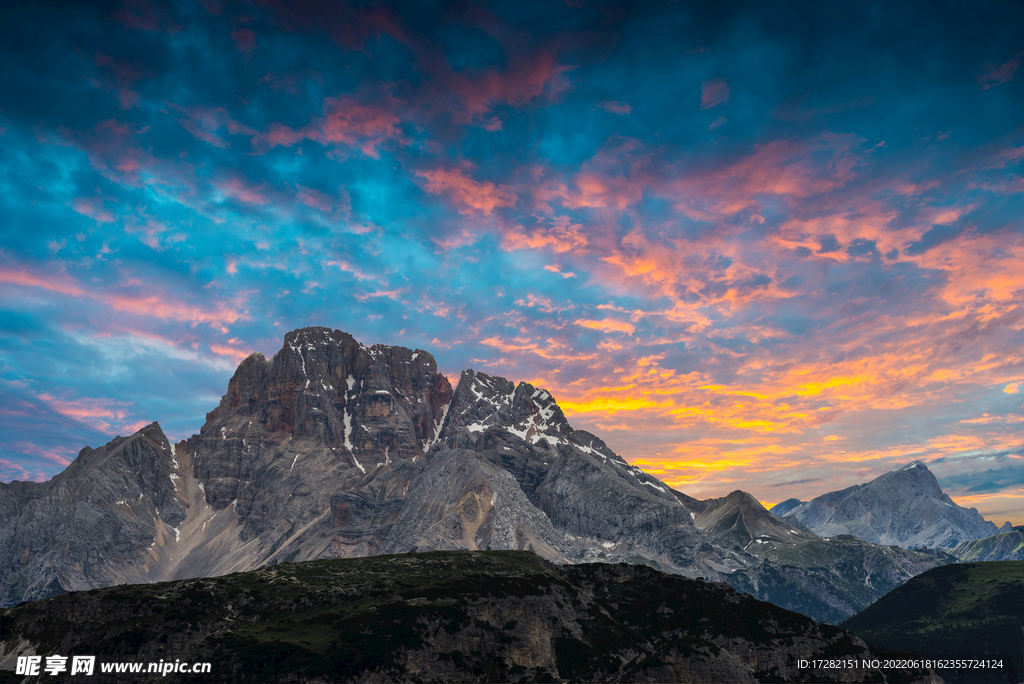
775 247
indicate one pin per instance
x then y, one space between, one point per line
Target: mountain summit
905 507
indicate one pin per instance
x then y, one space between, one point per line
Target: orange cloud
607 325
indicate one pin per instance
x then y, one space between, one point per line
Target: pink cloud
995 74
94 208
244 40
214 7
121 75
15 471
324 202
159 305
235 354
60 455
344 121
555 268
561 236
347 24
470 195
357 273
289 81
54 282
396 295
105 415
528 77
206 122
714 92
242 190
615 107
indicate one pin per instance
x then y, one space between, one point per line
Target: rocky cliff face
904 508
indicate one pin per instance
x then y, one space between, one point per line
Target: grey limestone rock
91 524
905 507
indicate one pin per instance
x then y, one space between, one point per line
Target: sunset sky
776 247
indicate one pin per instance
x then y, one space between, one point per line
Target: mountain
334 449
740 522
827 579
904 507
966 609
781 509
441 616
1006 546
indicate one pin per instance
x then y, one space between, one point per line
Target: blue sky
771 248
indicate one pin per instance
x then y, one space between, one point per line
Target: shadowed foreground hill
441 616
963 609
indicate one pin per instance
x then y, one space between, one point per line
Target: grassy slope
454 616
966 608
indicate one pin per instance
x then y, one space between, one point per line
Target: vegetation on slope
439 616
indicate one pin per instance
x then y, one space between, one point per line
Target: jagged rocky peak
323 385
484 403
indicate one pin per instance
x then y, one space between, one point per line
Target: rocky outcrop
904 507
442 616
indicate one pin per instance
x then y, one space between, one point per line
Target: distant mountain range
493 616
332 449
904 508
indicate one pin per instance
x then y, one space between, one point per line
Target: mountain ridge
331 449
904 507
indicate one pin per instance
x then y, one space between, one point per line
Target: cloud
345 121
159 305
244 40
555 268
205 123
242 190
996 74
121 75
615 107
146 15
469 195
607 325
714 92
